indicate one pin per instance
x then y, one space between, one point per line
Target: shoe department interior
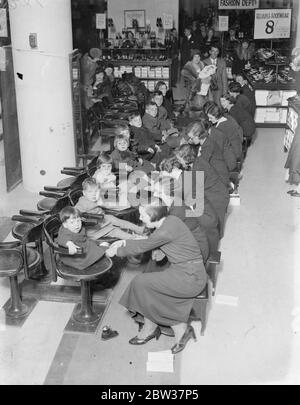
129 124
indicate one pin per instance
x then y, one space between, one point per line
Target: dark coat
244 119
246 91
211 152
185 48
214 189
244 102
234 134
152 124
223 141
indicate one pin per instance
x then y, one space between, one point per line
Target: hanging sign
223 22
167 21
272 23
238 4
100 21
3 23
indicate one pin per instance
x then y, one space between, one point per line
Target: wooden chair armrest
56 189
71 172
22 218
74 169
96 217
51 194
29 213
10 245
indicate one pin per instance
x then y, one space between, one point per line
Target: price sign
223 22
100 21
273 23
167 21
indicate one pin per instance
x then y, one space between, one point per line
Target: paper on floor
227 300
160 361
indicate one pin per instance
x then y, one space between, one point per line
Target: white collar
222 119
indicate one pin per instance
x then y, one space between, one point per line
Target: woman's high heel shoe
188 334
137 341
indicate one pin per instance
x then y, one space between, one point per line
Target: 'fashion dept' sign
273 23
238 4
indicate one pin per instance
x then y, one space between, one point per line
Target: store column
41 36
298 27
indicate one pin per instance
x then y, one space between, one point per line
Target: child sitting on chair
162 115
103 175
150 121
110 226
122 154
142 138
72 235
129 159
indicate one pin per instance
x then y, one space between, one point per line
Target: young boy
122 154
150 121
103 175
110 226
142 138
72 235
160 128
162 115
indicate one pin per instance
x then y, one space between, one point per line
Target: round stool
11 263
46 204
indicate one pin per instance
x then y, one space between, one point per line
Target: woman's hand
129 168
157 255
112 250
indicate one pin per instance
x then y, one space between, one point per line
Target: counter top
262 85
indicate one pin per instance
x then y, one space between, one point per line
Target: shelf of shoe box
267 114
292 123
150 72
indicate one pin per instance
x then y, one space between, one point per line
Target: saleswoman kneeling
163 298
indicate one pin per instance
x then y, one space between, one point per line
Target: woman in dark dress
214 190
166 297
242 117
166 189
235 91
207 216
208 148
226 141
225 123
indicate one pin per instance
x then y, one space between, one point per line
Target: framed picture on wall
133 17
